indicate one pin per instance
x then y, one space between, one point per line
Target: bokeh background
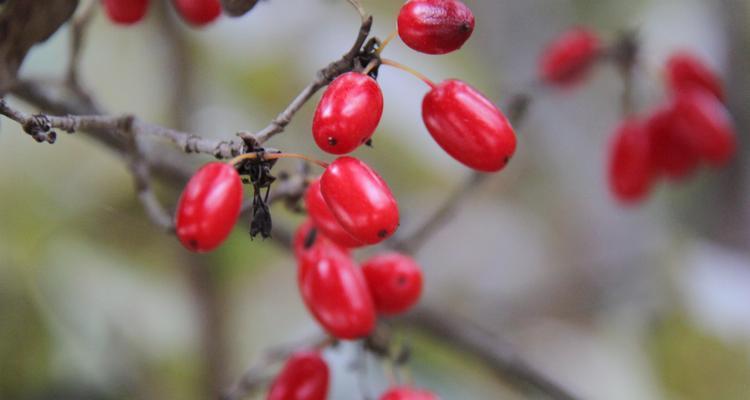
646 302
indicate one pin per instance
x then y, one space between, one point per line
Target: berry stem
385 42
275 156
370 66
412 71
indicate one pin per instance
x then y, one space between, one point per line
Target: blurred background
645 302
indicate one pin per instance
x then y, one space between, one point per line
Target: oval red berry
710 125
468 126
334 290
125 12
568 59
435 26
198 12
324 220
360 200
348 113
305 376
686 71
630 168
395 282
209 207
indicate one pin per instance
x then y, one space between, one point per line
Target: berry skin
395 282
630 168
198 12
126 12
435 26
324 219
209 207
710 125
334 290
568 59
468 126
360 200
406 393
685 71
348 113
673 150
304 376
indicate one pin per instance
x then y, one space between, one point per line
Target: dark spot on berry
193 244
332 141
310 238
506 160
401 280
465 27
368 142
382 233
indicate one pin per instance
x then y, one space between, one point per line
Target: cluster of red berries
691 128
195 12
466 124
350 205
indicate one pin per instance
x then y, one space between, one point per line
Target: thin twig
322 78
78 29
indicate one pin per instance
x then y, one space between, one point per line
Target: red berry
468 126
395 282
568 59
209 207
360 200
334 290
125 12
435 26
198 12
673 150
304 377
630 168
710 124
348 113
406 393
324 220
685 71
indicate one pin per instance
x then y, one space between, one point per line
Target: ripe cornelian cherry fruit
435 26
630 167
686 71
335 291
567 59
126 12
348 113
468 126
360 200
304 376
198 12
407 393
710 125
673 150
324 220
209 207
395 282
